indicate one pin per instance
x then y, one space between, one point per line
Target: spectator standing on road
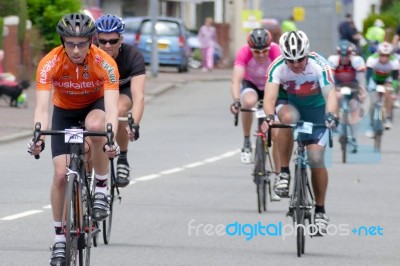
288 24
131 85
208 38
348 31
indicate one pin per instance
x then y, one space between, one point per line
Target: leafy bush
45 15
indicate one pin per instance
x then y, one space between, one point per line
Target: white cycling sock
59 237
101 183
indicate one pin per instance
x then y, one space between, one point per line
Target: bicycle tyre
107 223
377 125
343 143
259 175
72 223
299 211
89 224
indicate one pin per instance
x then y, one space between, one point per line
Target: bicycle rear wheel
259 175
107 223
71 212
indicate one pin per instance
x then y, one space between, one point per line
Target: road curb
160 89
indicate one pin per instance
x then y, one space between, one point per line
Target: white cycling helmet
385 48
294 45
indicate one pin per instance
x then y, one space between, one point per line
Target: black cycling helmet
110 23
76 25
259 39
345 48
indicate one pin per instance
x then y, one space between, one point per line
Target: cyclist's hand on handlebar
133 134
235 106
35 148
331 121
268 121
112 151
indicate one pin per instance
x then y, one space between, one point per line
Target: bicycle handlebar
37 133
128 119
295 125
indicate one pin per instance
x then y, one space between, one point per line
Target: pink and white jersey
254 71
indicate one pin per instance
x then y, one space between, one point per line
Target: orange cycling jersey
77 86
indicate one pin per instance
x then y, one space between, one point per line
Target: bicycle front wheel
299 207
377 125
107 223
71 213
259 175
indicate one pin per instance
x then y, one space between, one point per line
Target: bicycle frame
263 167
301 199
378 116
346 137
77 221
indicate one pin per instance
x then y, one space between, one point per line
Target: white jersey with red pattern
303 89
346 73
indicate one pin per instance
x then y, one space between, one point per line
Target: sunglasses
111 41
296 61
80 45
255 51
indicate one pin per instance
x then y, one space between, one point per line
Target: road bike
79 227
301 202
113 190
378 117
263 168
346 138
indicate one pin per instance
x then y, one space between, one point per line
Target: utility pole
154 46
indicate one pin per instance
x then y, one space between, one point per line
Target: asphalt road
190 186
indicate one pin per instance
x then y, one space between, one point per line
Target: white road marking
140 179
20 215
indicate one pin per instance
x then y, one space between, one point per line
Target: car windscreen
132 25
164 28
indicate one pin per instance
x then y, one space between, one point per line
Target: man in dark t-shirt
132 71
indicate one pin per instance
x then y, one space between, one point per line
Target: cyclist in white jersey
349 70
383 69
308 80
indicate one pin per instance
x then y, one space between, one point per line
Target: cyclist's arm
331 100
137 90
395 76
111 108
42 109
237 78
369 74
361 78
270 96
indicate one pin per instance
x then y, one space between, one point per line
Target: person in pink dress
208 38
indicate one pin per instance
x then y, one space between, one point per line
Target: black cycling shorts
315 116
126 91
63 119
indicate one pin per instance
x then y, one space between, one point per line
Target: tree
45 15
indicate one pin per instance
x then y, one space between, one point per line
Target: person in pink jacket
208 38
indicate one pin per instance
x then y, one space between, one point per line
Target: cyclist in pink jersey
248 81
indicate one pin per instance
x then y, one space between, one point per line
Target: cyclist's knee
249 100
288 114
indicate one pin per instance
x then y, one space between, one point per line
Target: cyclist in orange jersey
84 82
